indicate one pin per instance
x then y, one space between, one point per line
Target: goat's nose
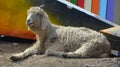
28 21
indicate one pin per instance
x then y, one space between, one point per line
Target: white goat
68 42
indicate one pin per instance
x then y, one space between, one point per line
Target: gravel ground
7 49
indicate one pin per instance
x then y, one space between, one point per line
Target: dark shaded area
15 40
114 41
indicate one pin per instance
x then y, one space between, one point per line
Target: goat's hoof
14 58
64 56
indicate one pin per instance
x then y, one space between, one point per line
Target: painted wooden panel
117 12
68 0
95 6
73 1
110 10
13 17
80 3
87 4
103 6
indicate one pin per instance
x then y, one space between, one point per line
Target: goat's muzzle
29 23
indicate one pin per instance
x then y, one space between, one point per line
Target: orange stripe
95 6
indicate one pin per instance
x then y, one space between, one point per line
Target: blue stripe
103 6
110 10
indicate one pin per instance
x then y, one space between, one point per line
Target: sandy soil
7 49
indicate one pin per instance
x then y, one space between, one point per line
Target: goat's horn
42 5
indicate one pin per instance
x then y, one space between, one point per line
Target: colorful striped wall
107 9
13 14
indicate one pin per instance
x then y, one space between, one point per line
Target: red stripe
80 3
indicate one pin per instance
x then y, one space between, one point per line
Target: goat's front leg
55 50
29 51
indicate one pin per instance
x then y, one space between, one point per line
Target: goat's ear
42 5
44 23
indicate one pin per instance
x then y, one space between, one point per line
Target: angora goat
61 41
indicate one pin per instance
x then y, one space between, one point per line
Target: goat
61 41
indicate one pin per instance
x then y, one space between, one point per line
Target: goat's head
37 19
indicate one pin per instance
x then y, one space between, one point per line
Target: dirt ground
7 49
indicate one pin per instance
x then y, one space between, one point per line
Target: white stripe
87 4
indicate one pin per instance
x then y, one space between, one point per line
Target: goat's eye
37 15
